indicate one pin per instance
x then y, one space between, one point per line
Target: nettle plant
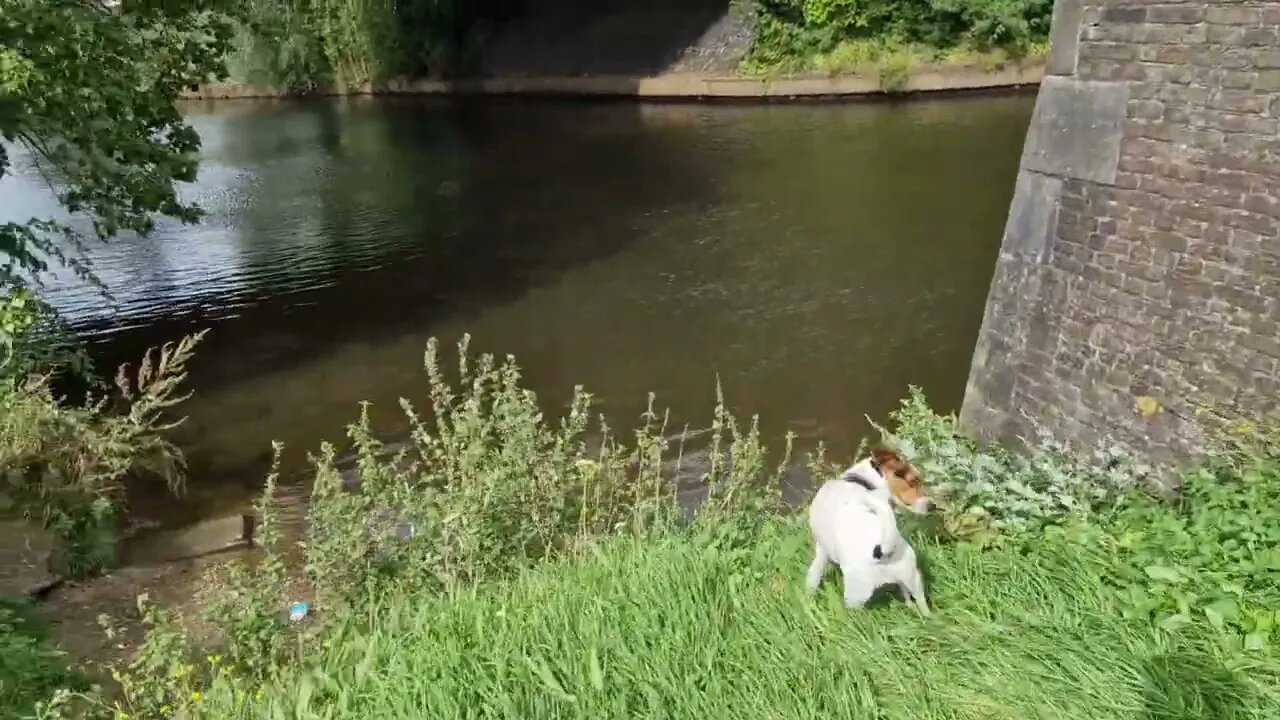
989 488
487 485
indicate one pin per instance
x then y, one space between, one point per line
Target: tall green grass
683 626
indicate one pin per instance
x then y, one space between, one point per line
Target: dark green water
818 259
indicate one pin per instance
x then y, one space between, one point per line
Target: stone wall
1141 259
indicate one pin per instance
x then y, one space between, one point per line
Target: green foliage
492 564
1214 556
162 678
63 464
990 488
895 74
33 340
1209 560
275 44
675 626
486 489
248 608
91 93
303 44
30 670
793 35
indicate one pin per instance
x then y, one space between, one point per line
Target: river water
818 259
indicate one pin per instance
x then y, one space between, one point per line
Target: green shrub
62 465
674 626
792 34
1209 557
989 488
30 670
487 488
276 44
500 563
303 44
34 340
1213 556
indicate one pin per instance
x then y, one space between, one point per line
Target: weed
993 489
894 73
675 625
1213 557
30 670
248 608
163 677
63 464
302 44
487 489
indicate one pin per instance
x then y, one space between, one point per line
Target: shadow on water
412 211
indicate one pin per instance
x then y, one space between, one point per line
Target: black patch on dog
859 480
876 552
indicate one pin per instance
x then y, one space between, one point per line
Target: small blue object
298 611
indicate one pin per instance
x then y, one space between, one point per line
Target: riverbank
519 571
683 85
688 625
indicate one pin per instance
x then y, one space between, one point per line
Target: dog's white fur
848 522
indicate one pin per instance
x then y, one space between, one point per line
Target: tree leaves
91 93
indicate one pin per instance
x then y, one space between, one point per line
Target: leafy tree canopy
89 89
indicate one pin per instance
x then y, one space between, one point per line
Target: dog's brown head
905 482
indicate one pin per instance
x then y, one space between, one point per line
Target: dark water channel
818 258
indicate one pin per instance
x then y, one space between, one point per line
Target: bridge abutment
1141 257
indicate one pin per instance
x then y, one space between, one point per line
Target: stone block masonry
1141 258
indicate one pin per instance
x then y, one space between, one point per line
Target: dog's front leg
914 589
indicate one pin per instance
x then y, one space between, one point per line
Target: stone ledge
669 86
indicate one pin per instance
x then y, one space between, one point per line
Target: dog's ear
881 457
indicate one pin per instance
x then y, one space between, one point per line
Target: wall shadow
612 37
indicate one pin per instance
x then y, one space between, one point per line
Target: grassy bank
504 566
682 627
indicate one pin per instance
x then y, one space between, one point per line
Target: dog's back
844 524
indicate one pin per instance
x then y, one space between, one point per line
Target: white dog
854 526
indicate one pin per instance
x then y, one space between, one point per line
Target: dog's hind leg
857 589
817 568
914 589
